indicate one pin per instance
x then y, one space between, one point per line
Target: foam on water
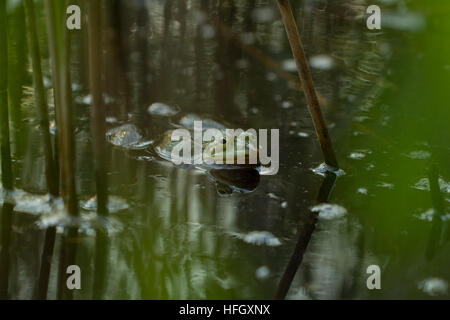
323 168
259 238
328 211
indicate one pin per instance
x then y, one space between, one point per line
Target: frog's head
241 147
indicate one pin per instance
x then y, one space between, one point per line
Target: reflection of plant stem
40 96
307 83
99 142
7 178
437 231
258 55
305 230
60 53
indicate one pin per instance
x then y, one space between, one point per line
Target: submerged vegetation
88 177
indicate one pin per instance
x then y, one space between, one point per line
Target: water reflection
176 236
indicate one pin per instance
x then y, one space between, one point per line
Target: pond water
179 233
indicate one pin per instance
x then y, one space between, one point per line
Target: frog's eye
224 141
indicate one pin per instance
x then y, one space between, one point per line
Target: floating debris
262 272
434 286
419 154
259 238
287 104
426 216
323 168
385 185
362 190
357 155
289 65
429 215
303 134
424 184
162 110
321 62
127 136
328 211
115 204
87 99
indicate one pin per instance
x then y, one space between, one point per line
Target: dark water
174 236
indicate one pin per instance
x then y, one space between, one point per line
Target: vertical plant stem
51 169
40 96
99 140
7 178
98 108
307 83
59 41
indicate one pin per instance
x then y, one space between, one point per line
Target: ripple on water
329 211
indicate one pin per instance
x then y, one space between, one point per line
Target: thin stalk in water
7 177
50 164
307 83
99 140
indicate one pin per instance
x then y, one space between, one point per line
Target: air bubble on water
286 104
262 272
429 215
115 204
162 110
111 120
263 14
289 65
87 99
323 168
426 216
362 191
434 286
419 154
385 185
284 204
303 134
424 184
259 238
356 155
321 62
328 211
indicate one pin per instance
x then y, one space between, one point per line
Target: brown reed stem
307 83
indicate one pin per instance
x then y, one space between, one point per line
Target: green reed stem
98 108
40 97
307 83
7 176
99 140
